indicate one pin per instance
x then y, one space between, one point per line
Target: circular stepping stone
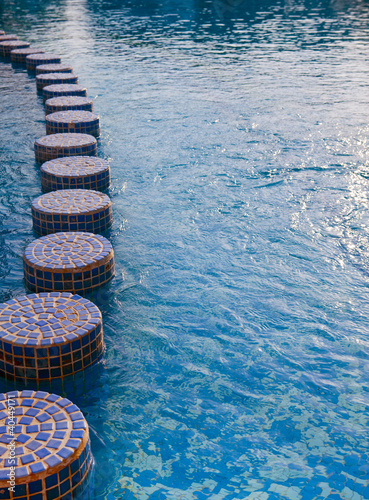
19 55
53 68
53 146
49 335
75 172
34 60
8 37
63 90
72 210
80 122
47 438
74 262
53 78
7 46
68 103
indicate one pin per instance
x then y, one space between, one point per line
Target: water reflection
236 9
22 16
291 24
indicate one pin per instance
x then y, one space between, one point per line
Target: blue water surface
237 324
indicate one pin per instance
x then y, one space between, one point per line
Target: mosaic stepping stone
53 68
75 172
63 90
49 335
19 55
53 78
8 45
34 60
44 445
68 103
75 262
8 37
53 146
72 210
80 122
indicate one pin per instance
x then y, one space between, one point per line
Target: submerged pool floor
237 323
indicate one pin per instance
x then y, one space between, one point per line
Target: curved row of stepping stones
55 333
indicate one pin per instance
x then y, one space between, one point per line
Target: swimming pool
236 327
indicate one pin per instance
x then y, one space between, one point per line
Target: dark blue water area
237 324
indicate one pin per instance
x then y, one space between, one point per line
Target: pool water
237 324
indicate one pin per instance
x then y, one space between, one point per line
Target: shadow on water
76 387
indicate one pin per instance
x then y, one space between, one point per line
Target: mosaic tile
8 37
19 55
81 122
34 60
75 172
53 68
54 146
49 465
8 45
63 90
2 33
53 78
68 103
49 335
72 210
68 261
